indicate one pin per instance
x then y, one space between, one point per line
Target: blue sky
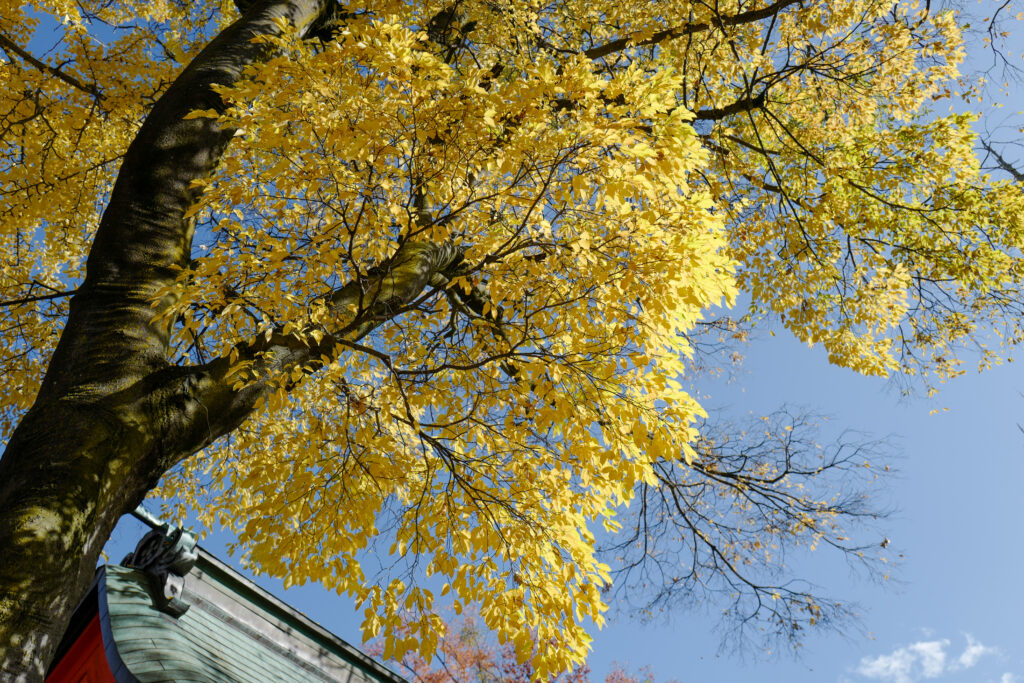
953 610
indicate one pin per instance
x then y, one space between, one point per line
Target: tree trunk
112 414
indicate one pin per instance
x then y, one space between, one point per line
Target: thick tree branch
744 104
673 33
144 236
739 106
222 396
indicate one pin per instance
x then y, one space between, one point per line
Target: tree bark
113 414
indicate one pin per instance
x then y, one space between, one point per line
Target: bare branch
720 528
1003 163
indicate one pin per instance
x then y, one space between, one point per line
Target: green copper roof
232 631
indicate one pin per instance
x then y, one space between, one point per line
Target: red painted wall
85 661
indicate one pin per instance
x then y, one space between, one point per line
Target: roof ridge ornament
166 554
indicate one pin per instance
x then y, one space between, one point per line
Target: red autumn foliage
467 654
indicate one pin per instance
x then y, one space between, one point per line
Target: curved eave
118 668
233 632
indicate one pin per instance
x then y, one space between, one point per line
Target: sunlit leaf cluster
487 440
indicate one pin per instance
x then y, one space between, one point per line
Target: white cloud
924 659
973 653
920 660
1007 678
932 656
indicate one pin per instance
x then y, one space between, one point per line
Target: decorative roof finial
166 554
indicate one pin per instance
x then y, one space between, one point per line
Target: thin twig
89 89
41 297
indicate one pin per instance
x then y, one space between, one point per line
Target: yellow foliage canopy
606 173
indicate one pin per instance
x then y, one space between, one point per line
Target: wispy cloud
974 651
1008 678
923 660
